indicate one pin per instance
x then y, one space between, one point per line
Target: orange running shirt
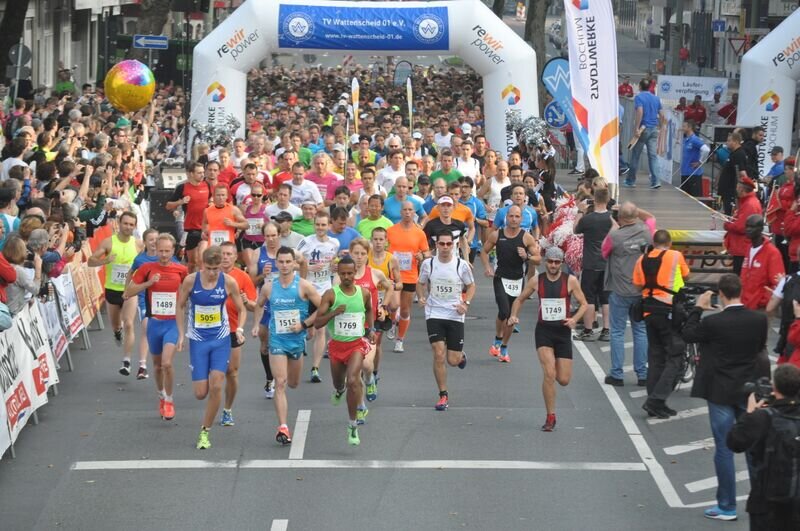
245 285
405 244
217 231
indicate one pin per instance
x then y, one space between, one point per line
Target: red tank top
554 300
367 283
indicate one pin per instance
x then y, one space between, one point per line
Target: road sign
554 115
19 52
24 72
151 42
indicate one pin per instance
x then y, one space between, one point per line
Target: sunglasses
257 195
553 261
445 244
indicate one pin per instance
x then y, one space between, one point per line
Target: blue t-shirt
348 234
650 105
529 218
429 204
479 211
776 169
11 224
691 153
392 206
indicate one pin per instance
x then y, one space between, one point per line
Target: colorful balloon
130 85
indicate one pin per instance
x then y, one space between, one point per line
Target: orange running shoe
283 436
169 410
161 406
494 350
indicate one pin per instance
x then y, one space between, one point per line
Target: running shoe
118 337
125 370
463 362
269 389
585 335
315 375
336 397
161 402
203 442
361 415
549 422
352 436
715 513
504 359
624 171
227 418
629 184
494 350
142 374
516 329
392 332
605 335
574 171
441 405
283 436
655 186
372 390
398 346
169 410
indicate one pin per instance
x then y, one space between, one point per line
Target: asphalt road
101 457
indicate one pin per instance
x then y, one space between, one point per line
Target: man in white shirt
303 189
283 203
394 169
443 136
466 163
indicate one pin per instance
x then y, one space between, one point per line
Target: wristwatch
467 302
240 330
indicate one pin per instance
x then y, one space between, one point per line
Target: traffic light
665 32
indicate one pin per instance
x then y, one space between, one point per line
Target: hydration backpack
781 467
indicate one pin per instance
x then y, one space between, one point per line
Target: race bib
218 237
322 276
119 272
207 316
163 303
349 325
512 287
554 309
447 290
404 261
381 295
285 320
254 226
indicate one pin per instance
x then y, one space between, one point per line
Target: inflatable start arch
768 87
466 28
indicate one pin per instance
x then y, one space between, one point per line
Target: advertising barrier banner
675 87
68 305
339 27
55 333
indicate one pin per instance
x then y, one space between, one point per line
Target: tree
11 27
152 18
535 34
498 6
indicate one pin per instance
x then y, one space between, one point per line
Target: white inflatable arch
466 28
768 87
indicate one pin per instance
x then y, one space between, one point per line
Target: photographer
732 352
29 279
768 433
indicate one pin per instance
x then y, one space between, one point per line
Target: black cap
423 179
282 216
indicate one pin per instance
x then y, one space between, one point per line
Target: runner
149 254
515 248
255 214
288 297
205 293
446 222
409 246
442 280
375 282
117 253
382 260
159 282
221 220
193 197
554 326
344 310
319 251
247 294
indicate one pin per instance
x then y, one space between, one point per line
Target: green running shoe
203 443
352 436
372 390
336 397
361 415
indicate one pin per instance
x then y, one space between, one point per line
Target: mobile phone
715 299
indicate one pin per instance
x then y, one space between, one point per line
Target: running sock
442 393
265 363
402 327
497 341
503 349
143 364
168 398
283 426
353 424
127 358
162 395
375 375
371 379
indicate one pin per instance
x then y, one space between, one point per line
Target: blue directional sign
554 115
151 42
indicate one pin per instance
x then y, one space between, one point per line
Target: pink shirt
354 188
323 183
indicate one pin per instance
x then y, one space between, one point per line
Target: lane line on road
703 444
711 483
300 434
684 414
279 525
607 348
638 394
639 443
150 464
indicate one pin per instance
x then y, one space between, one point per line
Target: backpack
780 475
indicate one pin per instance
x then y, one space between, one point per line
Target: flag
354 97
593 76
410 98
555 78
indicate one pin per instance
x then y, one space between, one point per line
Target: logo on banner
666 86
298 27
17 404
237 44
555 80
488 45
41 375
581 4
772 100
428 28
790 54
511 94
216 91
554 115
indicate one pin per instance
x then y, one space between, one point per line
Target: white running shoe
398 346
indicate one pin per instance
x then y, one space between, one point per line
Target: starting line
194 464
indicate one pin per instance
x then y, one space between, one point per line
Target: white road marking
703 444
300 434
685 414
607 348
642 448
150 464
710 483
712 502
638 394
279 525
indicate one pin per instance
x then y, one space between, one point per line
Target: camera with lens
762 388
